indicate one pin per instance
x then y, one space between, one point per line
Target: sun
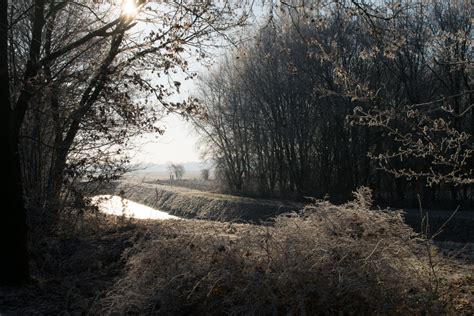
129 8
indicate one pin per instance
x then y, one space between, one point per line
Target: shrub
324 259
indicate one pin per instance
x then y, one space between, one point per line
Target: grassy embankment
189 203
197 204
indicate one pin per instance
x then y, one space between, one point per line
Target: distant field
161 175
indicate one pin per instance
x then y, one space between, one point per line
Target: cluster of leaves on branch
431 140
425 101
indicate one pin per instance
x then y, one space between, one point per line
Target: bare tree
94 81
64 61
323 86
178 170
205 174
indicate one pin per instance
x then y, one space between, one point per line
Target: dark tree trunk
63 146
13 228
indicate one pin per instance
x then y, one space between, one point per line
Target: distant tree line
328 99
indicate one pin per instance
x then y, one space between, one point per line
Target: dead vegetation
325 259
322 260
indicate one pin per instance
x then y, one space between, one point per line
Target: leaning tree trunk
63 146
13 228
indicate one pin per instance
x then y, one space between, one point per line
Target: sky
179 143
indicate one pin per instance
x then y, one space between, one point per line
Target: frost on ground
324 259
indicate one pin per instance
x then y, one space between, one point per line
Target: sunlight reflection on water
115 205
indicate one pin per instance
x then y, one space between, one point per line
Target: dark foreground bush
326 259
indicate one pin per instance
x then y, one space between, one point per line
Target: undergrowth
324 259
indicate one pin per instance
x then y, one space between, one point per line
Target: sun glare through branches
129 8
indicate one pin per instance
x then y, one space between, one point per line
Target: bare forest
323 102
